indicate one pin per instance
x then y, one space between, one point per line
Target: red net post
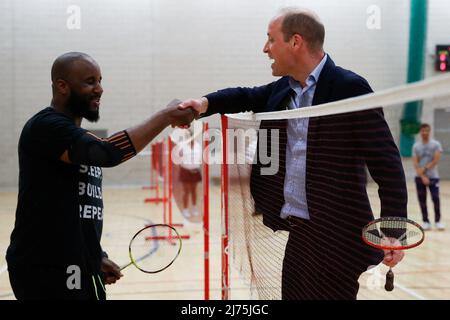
206 209
156 170
153 165
224 207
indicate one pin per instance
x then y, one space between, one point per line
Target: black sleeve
53 134
235 100
91 150
375 143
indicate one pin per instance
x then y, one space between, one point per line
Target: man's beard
80 106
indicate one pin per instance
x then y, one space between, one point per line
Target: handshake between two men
182 113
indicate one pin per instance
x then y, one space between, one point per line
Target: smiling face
278 49
85 87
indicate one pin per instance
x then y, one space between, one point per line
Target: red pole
225 263
169 164
156 150
206 208
168 191
169 197
152 171
160 159
165 183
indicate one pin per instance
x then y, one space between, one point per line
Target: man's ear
61 86
297 41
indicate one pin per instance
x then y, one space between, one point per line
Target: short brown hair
424 125
305 23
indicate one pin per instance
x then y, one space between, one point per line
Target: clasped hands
182 113
421 174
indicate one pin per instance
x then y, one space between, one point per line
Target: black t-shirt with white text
91 212
48 230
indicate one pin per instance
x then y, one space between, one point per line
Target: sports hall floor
423 274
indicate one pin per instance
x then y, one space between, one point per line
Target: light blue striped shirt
297 132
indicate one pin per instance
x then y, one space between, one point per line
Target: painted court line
3 268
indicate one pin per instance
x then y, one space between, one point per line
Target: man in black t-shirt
55 250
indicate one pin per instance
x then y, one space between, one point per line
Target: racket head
154 248
393 233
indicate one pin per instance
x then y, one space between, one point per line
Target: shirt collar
312 78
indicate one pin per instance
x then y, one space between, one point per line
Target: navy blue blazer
340 149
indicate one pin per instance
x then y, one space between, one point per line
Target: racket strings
393 233
154 249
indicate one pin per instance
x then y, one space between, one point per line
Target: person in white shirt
190 174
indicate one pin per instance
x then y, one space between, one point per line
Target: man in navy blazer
319 192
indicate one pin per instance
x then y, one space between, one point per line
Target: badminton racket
393 233
154 248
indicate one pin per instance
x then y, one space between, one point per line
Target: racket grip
389 285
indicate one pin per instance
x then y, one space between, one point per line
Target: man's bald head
76 85
65 63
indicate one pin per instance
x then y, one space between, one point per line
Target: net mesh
256 250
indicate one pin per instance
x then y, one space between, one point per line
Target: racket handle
389 285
